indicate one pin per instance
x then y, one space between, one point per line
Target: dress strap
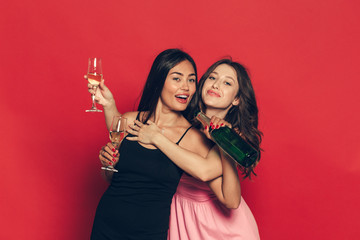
183 135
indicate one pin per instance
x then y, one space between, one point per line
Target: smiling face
220 89
179 87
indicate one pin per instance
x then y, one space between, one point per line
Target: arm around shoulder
199 160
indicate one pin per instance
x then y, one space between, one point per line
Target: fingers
216 123
149 122
135 138
228 124
132 132
111 147
140 124
105 162
134 127
108 155
102 84
91 88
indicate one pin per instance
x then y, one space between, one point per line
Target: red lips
182 98
213 93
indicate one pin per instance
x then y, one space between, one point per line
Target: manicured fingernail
114 155
113 149
222 124
206 127
110 163
217 126
113 160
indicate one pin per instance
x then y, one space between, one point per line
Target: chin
210 102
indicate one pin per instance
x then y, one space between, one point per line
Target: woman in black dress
136 205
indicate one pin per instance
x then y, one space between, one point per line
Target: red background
303 57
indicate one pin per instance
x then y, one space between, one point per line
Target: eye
211 78
192 80
227 83
176 79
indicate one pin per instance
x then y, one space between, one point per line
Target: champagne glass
116 134
94 76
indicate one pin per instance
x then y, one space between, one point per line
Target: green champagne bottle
231 143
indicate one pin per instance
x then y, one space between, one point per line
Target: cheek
169 89
231 92
204 88
192 89
203 95
166 92
207 83
230 96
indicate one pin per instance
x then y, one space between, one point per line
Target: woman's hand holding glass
103 95
117 134
94 77
109 155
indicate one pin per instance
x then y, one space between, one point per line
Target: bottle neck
201 117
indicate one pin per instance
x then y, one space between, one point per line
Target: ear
236 101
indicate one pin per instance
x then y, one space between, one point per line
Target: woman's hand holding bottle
215 123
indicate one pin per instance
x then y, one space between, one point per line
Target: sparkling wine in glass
94 77
116 134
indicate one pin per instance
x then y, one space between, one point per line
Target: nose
185 86
216 84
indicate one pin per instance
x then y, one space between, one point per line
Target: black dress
136 205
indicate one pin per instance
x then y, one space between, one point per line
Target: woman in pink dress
208 205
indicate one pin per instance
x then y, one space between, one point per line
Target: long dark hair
244 116
163 63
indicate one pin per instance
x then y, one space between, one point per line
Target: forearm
197 166
110 111
227 188
230 185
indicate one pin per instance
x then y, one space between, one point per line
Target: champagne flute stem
93 97
93 101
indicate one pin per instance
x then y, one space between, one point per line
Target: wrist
109 104
157 138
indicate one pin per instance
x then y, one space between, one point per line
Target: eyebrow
225 76
192 74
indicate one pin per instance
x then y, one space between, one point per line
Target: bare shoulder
197 142
130 116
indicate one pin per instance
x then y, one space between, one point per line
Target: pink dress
196 214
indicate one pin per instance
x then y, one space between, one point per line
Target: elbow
234 204
206 176
200 175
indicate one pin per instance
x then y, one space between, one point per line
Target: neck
220 113
165 117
